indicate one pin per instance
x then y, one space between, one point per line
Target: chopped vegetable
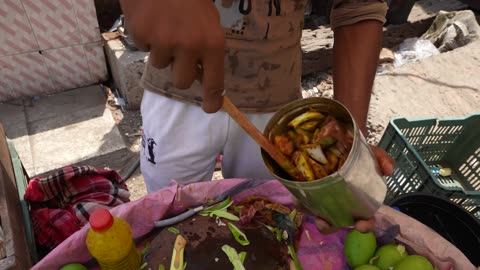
233 257
304 117
144 250
293 254
143 265
243 256
161 267
238 235
315 135
237 208
316 152
278 235
300 160
319 170
335 151
224 214
324 142
284 143
332 161
293 214
221 206
220 211
304 136
177 262
307 234
309 126
173 230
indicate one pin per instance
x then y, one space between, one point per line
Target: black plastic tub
448 219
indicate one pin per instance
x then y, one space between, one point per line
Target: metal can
355 191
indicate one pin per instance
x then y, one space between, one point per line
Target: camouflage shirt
262 52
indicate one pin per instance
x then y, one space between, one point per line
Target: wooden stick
278 156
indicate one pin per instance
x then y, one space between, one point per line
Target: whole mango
73 266
389 255
367 267
359 247
414 262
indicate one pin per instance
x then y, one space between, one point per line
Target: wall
48 46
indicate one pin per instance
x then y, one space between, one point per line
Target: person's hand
185 35
387 165
385 161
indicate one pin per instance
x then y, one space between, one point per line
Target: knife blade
250 183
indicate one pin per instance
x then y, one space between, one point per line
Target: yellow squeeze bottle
110 242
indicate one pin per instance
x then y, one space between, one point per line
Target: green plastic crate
419 146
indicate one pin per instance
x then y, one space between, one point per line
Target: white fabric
183 142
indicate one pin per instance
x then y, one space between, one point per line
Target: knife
250 183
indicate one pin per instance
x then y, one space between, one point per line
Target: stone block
127 68
72 127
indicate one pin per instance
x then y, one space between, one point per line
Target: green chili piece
233 257
224 214
239 235
242 255
295 259
223 205
293 214
173 230
144 250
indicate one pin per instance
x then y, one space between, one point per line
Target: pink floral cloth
319 251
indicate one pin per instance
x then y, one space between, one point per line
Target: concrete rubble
127 68
73 127
451 30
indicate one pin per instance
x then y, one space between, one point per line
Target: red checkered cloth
62 202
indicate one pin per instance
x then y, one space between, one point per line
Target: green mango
359 247
73 266
414 262
367 267
388 255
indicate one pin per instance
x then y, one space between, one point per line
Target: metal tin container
356 191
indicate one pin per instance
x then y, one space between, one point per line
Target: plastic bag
414 49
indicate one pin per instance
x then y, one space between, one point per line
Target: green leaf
239 235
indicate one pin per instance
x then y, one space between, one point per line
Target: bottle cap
100 220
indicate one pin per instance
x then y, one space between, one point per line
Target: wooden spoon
278 156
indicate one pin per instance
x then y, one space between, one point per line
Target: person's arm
356 50
357 26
